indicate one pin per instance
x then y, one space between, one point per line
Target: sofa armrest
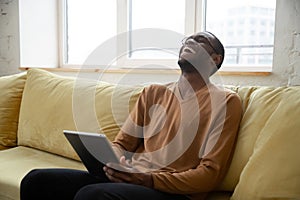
11 89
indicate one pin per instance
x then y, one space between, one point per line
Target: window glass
89 24
166 14
246 29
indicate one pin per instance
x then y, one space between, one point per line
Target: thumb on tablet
125 162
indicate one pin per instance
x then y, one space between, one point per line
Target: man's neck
189 83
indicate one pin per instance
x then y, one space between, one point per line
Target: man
177 143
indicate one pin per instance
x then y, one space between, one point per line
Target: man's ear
217 58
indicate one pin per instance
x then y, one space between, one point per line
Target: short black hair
219 48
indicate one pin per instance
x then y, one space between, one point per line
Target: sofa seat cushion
11 90
53 103
17 162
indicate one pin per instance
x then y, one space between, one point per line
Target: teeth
190 49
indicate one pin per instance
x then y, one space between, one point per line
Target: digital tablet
93 149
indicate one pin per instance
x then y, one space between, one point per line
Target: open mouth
189 50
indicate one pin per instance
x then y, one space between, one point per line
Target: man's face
199 52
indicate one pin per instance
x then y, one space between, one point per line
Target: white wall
9 37
286 66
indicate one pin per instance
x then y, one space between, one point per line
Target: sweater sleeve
131 133
213 165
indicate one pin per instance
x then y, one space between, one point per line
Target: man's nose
190 41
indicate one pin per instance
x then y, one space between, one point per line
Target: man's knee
94 192
29 183
87 193
30 177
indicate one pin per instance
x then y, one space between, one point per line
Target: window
147 33
111 24
154 33
141 16
88 24
247 45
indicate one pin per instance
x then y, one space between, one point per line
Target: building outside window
246 28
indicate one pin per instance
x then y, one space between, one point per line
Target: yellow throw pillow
53 103
273 170
11 89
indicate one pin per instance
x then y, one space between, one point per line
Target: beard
186 66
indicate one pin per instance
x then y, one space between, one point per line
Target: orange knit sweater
188 143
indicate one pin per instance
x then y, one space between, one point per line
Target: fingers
125 162
118 167
120 172
117 176
112 178
128 176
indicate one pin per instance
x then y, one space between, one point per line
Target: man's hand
125 173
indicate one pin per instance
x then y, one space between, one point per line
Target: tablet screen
94 149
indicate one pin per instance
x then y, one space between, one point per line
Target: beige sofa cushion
17 162
273 170
52 103
11 89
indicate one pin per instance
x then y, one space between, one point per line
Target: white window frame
62 20
125 62
194 22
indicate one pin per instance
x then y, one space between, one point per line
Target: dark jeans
71 184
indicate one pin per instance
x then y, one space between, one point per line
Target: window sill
149 71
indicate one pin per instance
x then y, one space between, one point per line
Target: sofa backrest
266 155
266 162
52 103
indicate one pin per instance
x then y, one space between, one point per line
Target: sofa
37 105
